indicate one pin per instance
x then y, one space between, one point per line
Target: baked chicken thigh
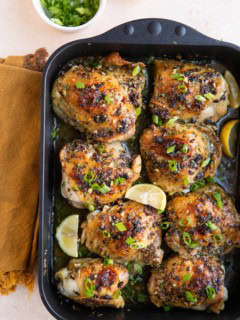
188 90
194 283
126 232
89 281
204 221
177 155
98 174
101 100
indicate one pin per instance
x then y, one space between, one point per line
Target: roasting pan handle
155 31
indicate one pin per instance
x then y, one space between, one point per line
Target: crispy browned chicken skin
188 90
88 281
201 223
125 232
194 283
179 154
97 174
101 100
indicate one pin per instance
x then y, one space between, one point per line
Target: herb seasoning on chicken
176 155
204 221
188 90
91 282
98 174
194 283
125 232
102 100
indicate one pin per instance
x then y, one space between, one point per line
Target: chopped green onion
159 211
138 111
172 121
167 308
211 293
164 225
75 188
120 226
209 95
187 277
184 148
130 241
117 294
198 184
155 119
104 188
183 88
119 180
54 133
217 237
95 186
178 76
89 287
136 70
187 238
108 261
218 199
210 180
185 182
70 13
185 222
200 98
211 225
100 148
142 297
172 164
89 177
106 234
91 207
205 162
137 245
190 297
57 21
80 85
193 245
171 149
107 98
138 268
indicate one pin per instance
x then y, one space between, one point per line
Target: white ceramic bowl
38 7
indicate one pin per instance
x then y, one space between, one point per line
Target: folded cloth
20 79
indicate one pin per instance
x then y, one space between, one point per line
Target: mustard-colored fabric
20 91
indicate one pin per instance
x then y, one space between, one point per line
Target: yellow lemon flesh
67 235
234 96
148 194
229 136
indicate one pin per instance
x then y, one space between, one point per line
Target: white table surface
22 31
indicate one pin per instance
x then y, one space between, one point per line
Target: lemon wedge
234 96
148 194
67 235
228 137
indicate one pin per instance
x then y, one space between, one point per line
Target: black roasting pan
156 37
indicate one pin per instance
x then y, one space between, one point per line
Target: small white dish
38 7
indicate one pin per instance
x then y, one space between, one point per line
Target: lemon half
67 235
228 137
234 96
148 194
